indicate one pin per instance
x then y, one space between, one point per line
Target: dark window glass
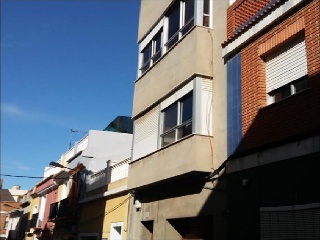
188 16
205 6
189 11
301 84
185 130
146 52
174 21
170 117
282 93
174 128
172 41
168 138
146 55
157 46
157 42
186 109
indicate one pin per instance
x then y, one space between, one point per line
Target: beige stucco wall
219 104
185 156
199 52
150 11
193 54
207 203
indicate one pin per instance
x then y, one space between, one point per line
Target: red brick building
272 55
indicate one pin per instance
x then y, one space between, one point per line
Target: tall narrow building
179 113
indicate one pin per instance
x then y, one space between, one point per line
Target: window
288 90
177 120
286 71
152 52
116 231
206 13
179 19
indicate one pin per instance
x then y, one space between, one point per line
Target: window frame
145 65
179 123
279 75
292 86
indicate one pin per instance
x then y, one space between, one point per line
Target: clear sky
64 65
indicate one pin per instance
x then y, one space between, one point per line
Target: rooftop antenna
72 131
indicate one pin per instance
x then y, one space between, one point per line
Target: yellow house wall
33 202
97 216
116 211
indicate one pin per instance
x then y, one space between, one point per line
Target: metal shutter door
287 66
295 224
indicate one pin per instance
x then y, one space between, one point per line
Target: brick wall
298 114
240 11
6 207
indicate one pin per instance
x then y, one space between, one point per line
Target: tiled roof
253 20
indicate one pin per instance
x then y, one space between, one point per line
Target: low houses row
83 195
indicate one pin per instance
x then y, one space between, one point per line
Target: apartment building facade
272 56
179 112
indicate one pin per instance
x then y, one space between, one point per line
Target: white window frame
153 53
179 124
116 224
207 14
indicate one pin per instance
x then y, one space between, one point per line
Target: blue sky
64 65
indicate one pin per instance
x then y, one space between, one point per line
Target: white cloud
11 110
26 115
20 166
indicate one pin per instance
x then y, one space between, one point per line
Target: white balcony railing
120 170
101 178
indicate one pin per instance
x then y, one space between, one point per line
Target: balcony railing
97 180
105 176
120 170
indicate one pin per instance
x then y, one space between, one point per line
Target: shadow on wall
290 119
289 182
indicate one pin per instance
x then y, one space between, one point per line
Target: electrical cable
107 212
21 176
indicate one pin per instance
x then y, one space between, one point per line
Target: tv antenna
74 131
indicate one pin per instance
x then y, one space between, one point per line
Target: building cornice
258 24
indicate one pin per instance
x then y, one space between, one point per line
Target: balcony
65 208
190 55
189 156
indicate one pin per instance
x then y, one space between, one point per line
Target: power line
20 176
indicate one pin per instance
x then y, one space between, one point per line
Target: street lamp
55 164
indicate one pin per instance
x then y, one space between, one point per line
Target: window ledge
169 145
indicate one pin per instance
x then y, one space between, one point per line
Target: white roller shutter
288 65
145 137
